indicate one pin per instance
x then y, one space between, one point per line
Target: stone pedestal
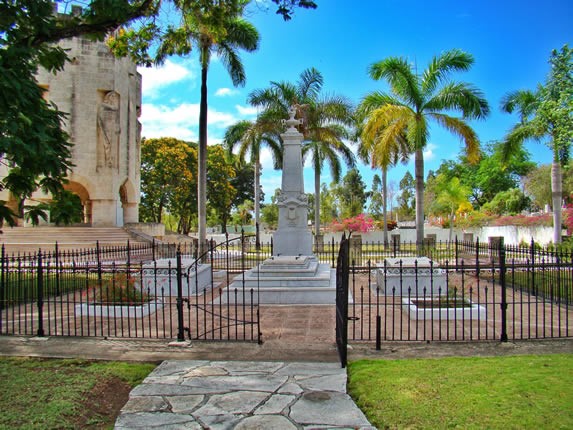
285 280
416 277
293 275
160 277
293 236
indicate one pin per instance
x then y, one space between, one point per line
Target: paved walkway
242 395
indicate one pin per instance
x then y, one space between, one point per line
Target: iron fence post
532 256
40 301
503 304
2 283
180 328
456 251
378 332
99 274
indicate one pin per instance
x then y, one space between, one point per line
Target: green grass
518 392
48 394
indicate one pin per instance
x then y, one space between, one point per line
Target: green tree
547 114
405 199
376 198
32 142
352 194
250 137
66 208
270 211
220 174
450 195
488 177
168 182
416 100
510 202
537 184
325 123
329 207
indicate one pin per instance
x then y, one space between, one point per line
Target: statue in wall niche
108 129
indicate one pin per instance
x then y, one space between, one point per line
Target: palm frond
309 84
461 129
460 96
403 82
442 65
524 101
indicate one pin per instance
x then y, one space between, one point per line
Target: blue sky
511 41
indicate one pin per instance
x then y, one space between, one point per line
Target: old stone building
102 96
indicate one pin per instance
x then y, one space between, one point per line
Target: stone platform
410 276
287 280
160 277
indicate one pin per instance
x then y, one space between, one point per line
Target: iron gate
342 272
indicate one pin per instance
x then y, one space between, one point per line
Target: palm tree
546 113
324 126
250 137
214 28
369 151
451 194
415 100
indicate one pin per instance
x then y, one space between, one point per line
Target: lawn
516 392
65 394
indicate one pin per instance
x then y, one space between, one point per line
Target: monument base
284 280
289 241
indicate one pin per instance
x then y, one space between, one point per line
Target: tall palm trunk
202 159
557 196
385 204
419 173
316 202
257 203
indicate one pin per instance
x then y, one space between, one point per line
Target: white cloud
182 121
158 77
430 152
246 110
225 92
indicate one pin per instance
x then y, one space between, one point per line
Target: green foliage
508 202
220 190
329 207
487 179
397 123
538 184
351 194
32 141
325 126
66 209
118 289
406 199
492 392
168 181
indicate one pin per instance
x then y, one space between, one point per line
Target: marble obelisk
293 275
292 236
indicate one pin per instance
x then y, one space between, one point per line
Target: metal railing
514 292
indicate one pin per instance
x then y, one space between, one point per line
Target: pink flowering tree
360 223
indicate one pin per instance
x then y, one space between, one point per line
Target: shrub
118 289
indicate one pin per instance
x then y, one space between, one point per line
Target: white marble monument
293 275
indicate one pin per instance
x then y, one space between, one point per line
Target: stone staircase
30 239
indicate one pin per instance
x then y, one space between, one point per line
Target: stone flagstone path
200 394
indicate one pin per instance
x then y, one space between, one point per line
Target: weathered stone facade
102 96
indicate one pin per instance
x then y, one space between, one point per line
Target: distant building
102 96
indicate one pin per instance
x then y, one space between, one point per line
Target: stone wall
102 96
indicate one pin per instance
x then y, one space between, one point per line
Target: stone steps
30 239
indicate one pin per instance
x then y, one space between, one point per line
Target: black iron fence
484 292
141 291
460 291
